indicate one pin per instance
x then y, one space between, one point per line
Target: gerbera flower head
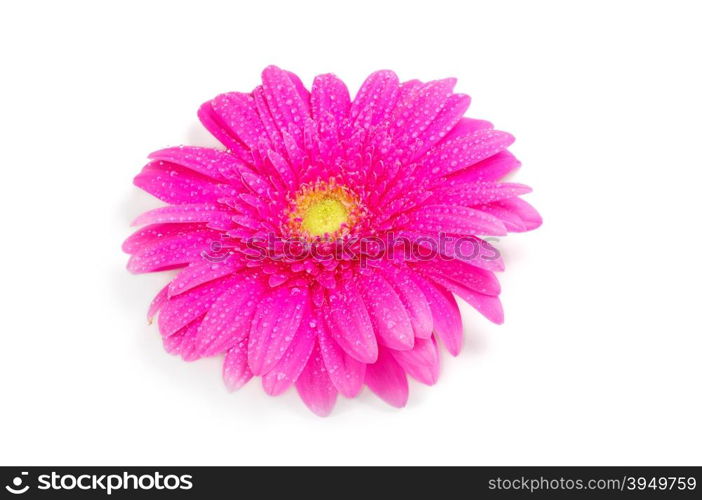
323 246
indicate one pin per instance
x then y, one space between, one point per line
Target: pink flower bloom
324 246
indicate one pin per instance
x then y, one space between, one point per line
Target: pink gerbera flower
323 247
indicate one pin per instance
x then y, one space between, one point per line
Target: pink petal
528 214
466 127
300 87
387 379
454 220
345 372
237 113
288 369
229 319
273 328
192 212
487 305
274 136
170 252
493 168
469 249
350 323
445 314
414 117
211 120
387 313
513 223
187 307
247 222
474 278
484 255
474 194
205 161
152 234
421 362
406 95
285 103
283 169
315 387
157 303
235 370
329 96
445 121
294 151
258 184
457 154
199 272
412 299
375 99
182 342
174 184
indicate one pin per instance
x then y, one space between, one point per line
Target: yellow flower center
324 216
323 209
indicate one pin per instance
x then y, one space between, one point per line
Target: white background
599 359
